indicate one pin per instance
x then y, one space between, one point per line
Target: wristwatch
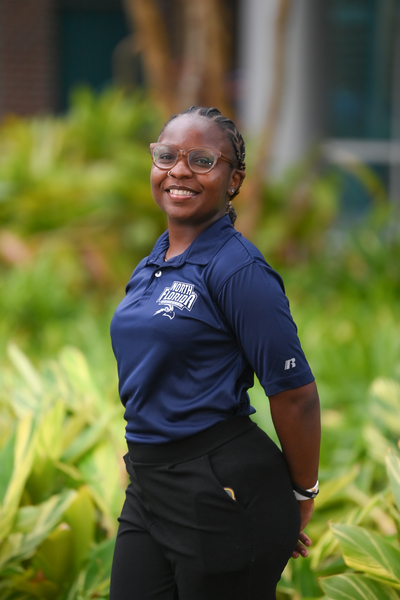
303 494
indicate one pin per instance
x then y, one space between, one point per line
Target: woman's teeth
181 192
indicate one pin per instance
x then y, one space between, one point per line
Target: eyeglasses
199 160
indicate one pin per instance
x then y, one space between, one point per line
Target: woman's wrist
305 494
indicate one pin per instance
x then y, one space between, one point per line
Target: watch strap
303 494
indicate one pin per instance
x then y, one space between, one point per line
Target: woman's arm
252 300
296 417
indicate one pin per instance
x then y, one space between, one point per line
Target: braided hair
229 127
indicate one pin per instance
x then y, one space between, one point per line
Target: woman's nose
180 168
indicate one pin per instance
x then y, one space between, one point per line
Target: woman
214 509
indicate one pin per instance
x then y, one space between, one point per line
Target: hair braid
229 127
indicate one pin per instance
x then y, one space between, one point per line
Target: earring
169 172
232 191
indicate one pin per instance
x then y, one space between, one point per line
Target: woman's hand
306 509
296 416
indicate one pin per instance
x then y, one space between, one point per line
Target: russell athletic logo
290 364
179 295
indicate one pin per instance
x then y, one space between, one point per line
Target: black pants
182 537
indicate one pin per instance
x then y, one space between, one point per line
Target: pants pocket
223 525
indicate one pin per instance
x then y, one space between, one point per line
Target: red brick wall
27 57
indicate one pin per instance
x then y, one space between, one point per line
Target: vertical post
394 164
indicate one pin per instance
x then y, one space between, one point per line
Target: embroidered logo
179 295
290 364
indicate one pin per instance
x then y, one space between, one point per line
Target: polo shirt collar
201 250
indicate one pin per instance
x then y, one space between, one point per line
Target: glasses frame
217 154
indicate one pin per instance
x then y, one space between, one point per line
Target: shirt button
158 274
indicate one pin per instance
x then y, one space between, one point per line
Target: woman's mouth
180 193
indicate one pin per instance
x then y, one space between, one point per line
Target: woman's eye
165 157
203 161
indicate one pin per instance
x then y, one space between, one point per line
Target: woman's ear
236 180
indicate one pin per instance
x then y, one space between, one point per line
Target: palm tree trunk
152 41
205 56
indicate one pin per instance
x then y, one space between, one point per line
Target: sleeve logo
290 364
179 295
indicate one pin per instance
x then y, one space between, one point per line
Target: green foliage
76 216
356 587
297 212
346 303
373 559
62 486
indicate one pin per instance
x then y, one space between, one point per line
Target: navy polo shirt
191 332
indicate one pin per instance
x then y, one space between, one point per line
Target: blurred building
342 83
342 75
48 46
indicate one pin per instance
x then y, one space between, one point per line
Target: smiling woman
214 508
194 175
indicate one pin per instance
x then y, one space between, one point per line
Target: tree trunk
250 205
205 56
152 41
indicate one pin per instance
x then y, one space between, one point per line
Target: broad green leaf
55 556
50 431
393 471
324 547
75 366
366 551
9 549
69 470
371 507
376 443
327 543
49 447
24 450
72 427
99 567
104 476
330 489
81 517
89 437
9 590
7 464
356 587
386 404
35 588
41 519
26 369
94 580
304 579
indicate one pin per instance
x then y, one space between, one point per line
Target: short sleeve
257 310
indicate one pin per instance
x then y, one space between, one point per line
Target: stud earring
232 191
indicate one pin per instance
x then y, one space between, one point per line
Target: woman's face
195 198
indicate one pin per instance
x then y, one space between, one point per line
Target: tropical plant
356 501
373 560
63 268
61 482
76 216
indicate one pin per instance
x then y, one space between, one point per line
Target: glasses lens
201 160
164 156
